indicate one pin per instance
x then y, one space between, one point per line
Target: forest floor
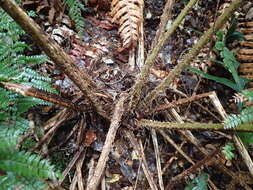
173 158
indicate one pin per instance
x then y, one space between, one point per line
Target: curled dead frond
128 13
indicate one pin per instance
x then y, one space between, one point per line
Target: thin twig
140 52
207 160
115 123
167 138
139 149
91 166
79 165
197 103
73 182
131 59
66 114
182 101
190 137
71 164
158 159
164 21
203 150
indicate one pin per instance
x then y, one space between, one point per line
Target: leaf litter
99 53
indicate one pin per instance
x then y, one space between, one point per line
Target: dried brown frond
128 13
245 53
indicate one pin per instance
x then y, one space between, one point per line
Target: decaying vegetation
120 116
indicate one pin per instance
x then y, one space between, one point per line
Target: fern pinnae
23 171
36 59
129 15
75 8
234 120
11 181
29 165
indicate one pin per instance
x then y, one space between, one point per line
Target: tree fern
75 8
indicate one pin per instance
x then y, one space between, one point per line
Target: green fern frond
25 103
248 94
9 28
234 120
75 8
8 139
11 181
198 183
7 72
6 98
11 130
14 103
27 164
30 77
23 170
228 151
21 125
36 59
20 46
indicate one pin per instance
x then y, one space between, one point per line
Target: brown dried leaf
128 13
90 137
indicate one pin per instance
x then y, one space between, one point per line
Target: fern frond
31 74
30 77
10 131
36 59
248 94
234 120
8 139
75 8
19 104
8 73
29 165
6 98
21 125
11 29
11 181
25 103
129 15
23 171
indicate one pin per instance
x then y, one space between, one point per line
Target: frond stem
136 90
193 126
193 52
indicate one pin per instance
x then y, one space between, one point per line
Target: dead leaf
90 137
